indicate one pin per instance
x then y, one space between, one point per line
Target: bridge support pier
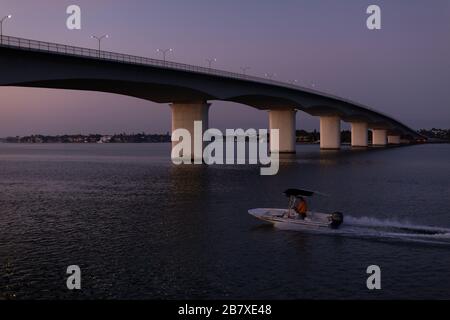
379 137
330 132
183 117
360 134
284 121
393 139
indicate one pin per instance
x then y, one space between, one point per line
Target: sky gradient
402 70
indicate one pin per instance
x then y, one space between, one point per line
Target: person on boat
301 208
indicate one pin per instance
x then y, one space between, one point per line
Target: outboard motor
337 218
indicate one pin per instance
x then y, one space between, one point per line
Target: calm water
141 228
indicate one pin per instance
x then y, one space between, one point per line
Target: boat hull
276 216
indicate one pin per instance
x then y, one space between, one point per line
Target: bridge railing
28 44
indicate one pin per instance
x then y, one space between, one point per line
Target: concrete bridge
30 63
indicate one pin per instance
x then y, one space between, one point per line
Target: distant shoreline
83 143
167 142
91 138
433 136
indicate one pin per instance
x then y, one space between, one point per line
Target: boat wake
384 230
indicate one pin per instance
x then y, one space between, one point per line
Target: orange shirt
302 207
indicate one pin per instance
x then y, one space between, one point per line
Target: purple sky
402 70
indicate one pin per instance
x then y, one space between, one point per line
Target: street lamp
244 70
164 52
1 26
210 62
99 39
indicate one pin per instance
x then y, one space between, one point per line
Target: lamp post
164 52
210 62
1 26
244 70
99 39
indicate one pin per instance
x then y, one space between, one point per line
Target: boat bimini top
298 193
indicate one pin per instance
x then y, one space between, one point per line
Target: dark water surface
142 228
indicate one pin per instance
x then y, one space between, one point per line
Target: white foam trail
391 223
380 229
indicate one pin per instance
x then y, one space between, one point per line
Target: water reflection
141 227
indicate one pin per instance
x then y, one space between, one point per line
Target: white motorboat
290 216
